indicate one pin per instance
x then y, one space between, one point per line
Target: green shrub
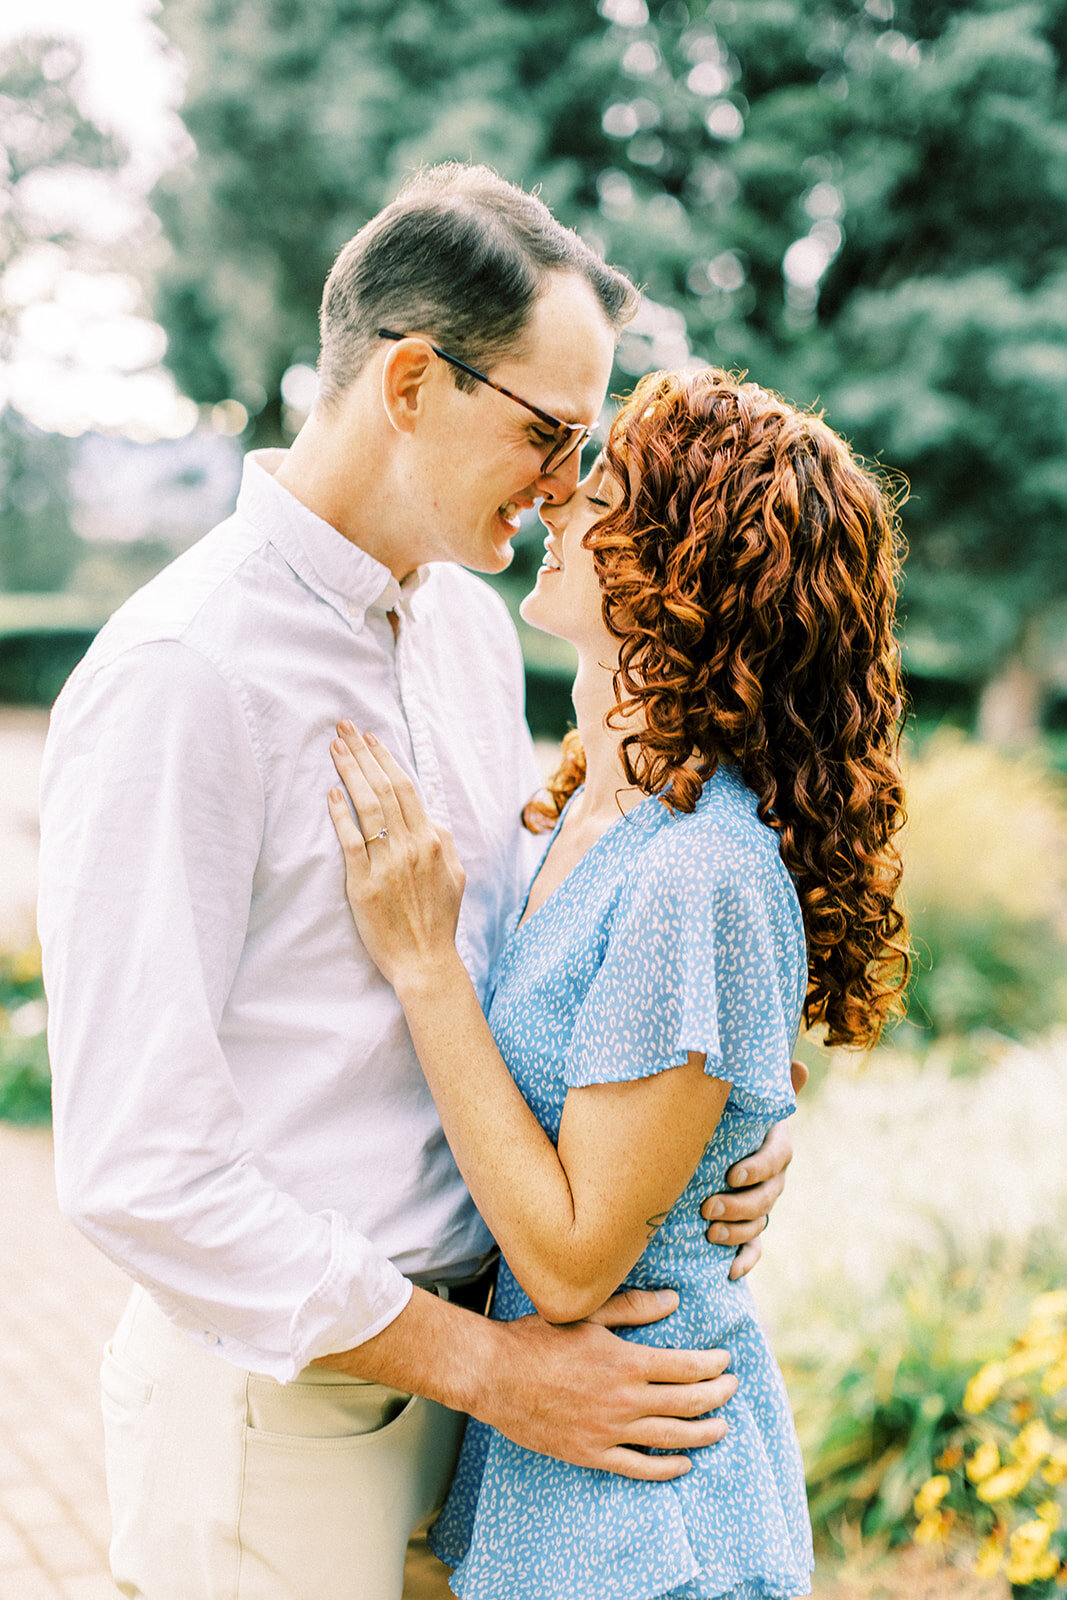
878 1387
985 853
25 1083
1003 1473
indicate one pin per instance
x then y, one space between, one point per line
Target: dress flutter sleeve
704 953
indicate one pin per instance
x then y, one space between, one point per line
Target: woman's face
567 600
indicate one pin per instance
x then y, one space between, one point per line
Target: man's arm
739 1216
575 1392
152 817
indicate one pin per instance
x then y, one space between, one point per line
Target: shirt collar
352 581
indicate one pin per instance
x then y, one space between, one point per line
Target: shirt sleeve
704 954
152 812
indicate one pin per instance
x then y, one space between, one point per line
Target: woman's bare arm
571 1220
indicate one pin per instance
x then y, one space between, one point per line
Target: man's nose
559 484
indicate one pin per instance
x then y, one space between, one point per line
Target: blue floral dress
673 933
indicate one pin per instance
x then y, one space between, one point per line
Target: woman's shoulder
723 836
715 867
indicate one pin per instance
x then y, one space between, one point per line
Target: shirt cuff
358 1295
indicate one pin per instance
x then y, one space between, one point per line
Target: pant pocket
130 1454
122 1387
334 1487
318 1410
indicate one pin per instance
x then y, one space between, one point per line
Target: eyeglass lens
563 451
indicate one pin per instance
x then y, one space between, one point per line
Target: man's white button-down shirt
241 1121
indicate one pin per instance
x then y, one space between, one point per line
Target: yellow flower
1051 1307
1020 1569
26 964
931 1494
1032 1356
932 1528
1030 1539
1055 1469
1033 1444
1049 1512
990 1554
949 1458
1005 1484
1056 1377
984 1387
1031 1560
984 1462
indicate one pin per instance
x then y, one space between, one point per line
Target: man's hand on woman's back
739 1216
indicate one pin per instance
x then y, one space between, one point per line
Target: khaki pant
228 1486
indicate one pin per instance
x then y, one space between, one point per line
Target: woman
727 573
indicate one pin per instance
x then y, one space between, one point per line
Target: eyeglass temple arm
545 416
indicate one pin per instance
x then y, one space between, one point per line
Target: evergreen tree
862 203
44 137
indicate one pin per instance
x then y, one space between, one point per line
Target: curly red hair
750 574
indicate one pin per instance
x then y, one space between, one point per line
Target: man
241 1121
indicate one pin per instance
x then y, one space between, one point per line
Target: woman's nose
555 515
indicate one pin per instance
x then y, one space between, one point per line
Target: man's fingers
689 1400
742 1206
676 1433
772 1158
746 1258
651 1469
737 1233
632 1308
669 1368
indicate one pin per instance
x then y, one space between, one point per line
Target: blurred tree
305 119
38 545
45 140
862 201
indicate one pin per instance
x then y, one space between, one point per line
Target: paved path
60 1301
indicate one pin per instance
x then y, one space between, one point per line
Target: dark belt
473 1294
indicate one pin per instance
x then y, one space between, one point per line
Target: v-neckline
525 921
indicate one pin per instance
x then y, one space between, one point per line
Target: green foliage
42 132
985 856
25 1083
1003 1472
306 118
878 1389
864 205
44 136
38 544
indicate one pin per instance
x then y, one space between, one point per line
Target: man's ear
408 369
